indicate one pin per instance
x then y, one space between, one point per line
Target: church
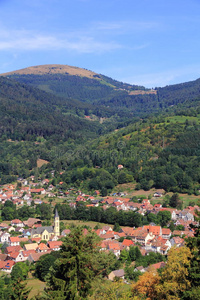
47 232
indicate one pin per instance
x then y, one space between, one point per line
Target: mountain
87 86
107 94
85 124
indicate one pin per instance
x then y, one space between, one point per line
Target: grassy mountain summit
52 69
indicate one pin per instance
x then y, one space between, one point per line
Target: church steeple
56 224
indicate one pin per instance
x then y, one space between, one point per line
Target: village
27 240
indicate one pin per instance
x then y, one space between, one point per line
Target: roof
42 246
11 249
166 231
16 221
156 230
127 230
54 244
37 239
14 239
14 254
37 190
28 252
7 264
36 256
119 273
40 230
31 221
32 246
127 243
159 265
3 257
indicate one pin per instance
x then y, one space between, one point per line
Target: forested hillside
157 144
157 152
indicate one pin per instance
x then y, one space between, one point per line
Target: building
47 232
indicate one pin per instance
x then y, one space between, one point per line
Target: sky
153 43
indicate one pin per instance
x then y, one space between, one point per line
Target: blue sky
148 42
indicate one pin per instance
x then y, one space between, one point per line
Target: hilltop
52 69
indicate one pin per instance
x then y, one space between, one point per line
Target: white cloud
28 40
126 25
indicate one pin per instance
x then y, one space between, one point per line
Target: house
157 194
128 231
158 265
3 226
155 230
33 257
14 241
7 266
38 191
106 228
127 243
42 247
11 228
11 249
17 222
19 230
186 215
16 256
117 273
157 206
115 248
166 233
140 268
110 235
27 253
31 221
55 245
119 167
177 241
4 237
141 236
32 246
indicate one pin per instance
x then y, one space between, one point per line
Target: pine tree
19 290
73 272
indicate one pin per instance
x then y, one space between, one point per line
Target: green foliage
73 273
132 275
163 218
19 271
150 259
43 265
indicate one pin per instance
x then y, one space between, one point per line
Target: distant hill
106 93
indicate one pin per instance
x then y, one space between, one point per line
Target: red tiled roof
127 243
11 249
7 264
55 244
14 239
16 221
166 231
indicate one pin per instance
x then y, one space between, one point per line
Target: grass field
87 223
35 285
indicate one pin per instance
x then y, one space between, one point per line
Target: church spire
56 223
